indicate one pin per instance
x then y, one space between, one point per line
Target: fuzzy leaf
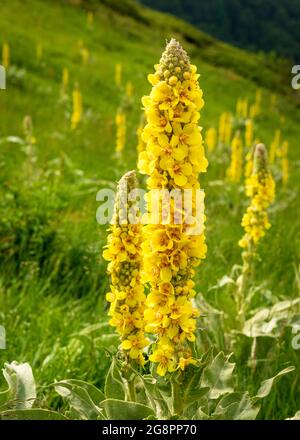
218 376
120 410
266 385
83 397
21 392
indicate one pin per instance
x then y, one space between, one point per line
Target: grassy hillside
52 275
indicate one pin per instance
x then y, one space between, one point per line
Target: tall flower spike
77 108
260 187
120 131
6 55
234 171
126 295
173 158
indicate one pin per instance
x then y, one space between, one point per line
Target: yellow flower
77 108
5 55
121 131
234 171
274 146
211 138
165 358
249 133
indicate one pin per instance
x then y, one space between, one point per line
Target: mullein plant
260 188
210 138
124 253
284 162
5 55
173 158
234 171
121 129
77 108
275 147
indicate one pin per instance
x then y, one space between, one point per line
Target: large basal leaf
218 376
83 397
120 410
21 392
114 385
236 406
266 385
31 414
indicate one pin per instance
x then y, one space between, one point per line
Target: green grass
52 275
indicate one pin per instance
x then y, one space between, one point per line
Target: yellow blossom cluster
77 108
234 171
121 131
284 162
5 55
173 158
225 128
65 80
275 146
211 138
249 129
260 187
242 108
126 295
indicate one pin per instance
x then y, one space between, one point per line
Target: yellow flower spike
127 297
5 55
65 79
129 89
118 75
77 108
173 158
234 171
121 129
274 146
249 132
211 138
283 154
260 187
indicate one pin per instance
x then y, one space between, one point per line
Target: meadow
53 278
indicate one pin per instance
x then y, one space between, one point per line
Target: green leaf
236 406
120 410
21 392
267 321
31 414
218 376
114 385
266 385
83 397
